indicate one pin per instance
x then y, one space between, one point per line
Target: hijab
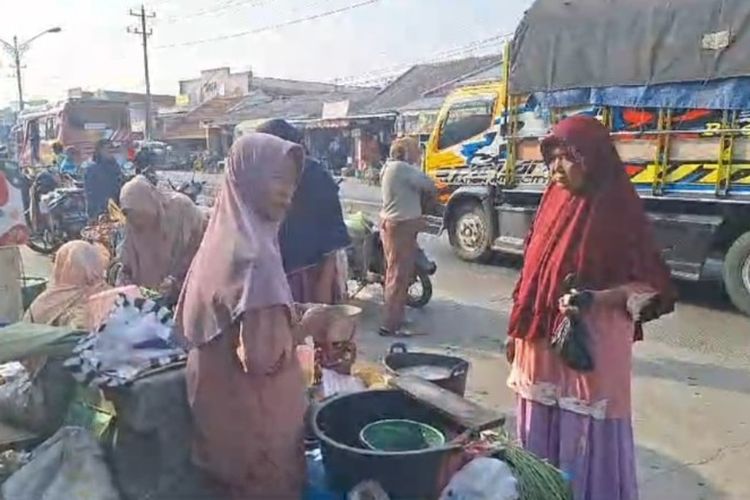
602 236
152 254
77 274
238 266
314 226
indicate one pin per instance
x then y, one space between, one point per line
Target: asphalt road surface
691 384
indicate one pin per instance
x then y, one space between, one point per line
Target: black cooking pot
456 370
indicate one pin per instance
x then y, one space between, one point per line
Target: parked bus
75 122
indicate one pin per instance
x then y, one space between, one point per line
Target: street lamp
17 50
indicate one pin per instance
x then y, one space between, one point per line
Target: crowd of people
245 281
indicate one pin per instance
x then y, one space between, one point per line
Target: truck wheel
469 233
737 273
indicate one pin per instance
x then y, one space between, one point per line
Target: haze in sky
364 42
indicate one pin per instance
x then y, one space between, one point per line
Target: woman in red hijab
591 228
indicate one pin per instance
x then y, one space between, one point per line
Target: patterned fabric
104 358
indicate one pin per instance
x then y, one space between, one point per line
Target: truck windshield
466 119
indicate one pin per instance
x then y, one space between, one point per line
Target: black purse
570 339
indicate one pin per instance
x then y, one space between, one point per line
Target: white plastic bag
482 479
68 465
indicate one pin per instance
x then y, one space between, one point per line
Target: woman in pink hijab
162 234
245 386
77 274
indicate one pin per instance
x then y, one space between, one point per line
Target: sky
362 44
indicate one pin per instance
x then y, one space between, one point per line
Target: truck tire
469 233
737 273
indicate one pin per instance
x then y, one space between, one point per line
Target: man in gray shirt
404 189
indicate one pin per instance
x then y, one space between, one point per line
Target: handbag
571 337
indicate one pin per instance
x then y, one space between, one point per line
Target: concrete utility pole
145 32
16 51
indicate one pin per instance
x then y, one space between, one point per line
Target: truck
672 83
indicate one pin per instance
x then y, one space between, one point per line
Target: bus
74 122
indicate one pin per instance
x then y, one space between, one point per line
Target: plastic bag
21 401
68 465
342 271
482 479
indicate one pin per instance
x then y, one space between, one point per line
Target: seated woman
162 235
77 274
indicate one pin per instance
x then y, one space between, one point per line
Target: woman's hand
510 349
571 303
168 287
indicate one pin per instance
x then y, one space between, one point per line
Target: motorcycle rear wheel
420 291
44 243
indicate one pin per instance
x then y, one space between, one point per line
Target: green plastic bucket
396 435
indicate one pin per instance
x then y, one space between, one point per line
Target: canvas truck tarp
570 44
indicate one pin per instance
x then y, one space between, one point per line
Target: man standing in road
404 189
102 180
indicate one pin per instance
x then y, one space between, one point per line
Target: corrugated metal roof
190 124
424 77
262 104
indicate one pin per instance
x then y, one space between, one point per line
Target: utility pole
17 55
145 32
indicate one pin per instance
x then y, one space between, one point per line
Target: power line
217 9
386 73
272 27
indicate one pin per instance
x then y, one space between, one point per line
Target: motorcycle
108 231
56 213
367 265
192 188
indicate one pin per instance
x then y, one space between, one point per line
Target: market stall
117 396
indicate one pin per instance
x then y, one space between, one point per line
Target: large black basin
413 474
457 369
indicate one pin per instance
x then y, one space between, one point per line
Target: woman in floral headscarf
591 229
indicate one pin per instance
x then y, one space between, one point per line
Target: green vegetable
537 478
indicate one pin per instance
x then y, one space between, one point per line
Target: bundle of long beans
537 478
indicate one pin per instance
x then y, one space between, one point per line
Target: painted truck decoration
481 159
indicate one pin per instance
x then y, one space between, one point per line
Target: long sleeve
423 182
265 342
